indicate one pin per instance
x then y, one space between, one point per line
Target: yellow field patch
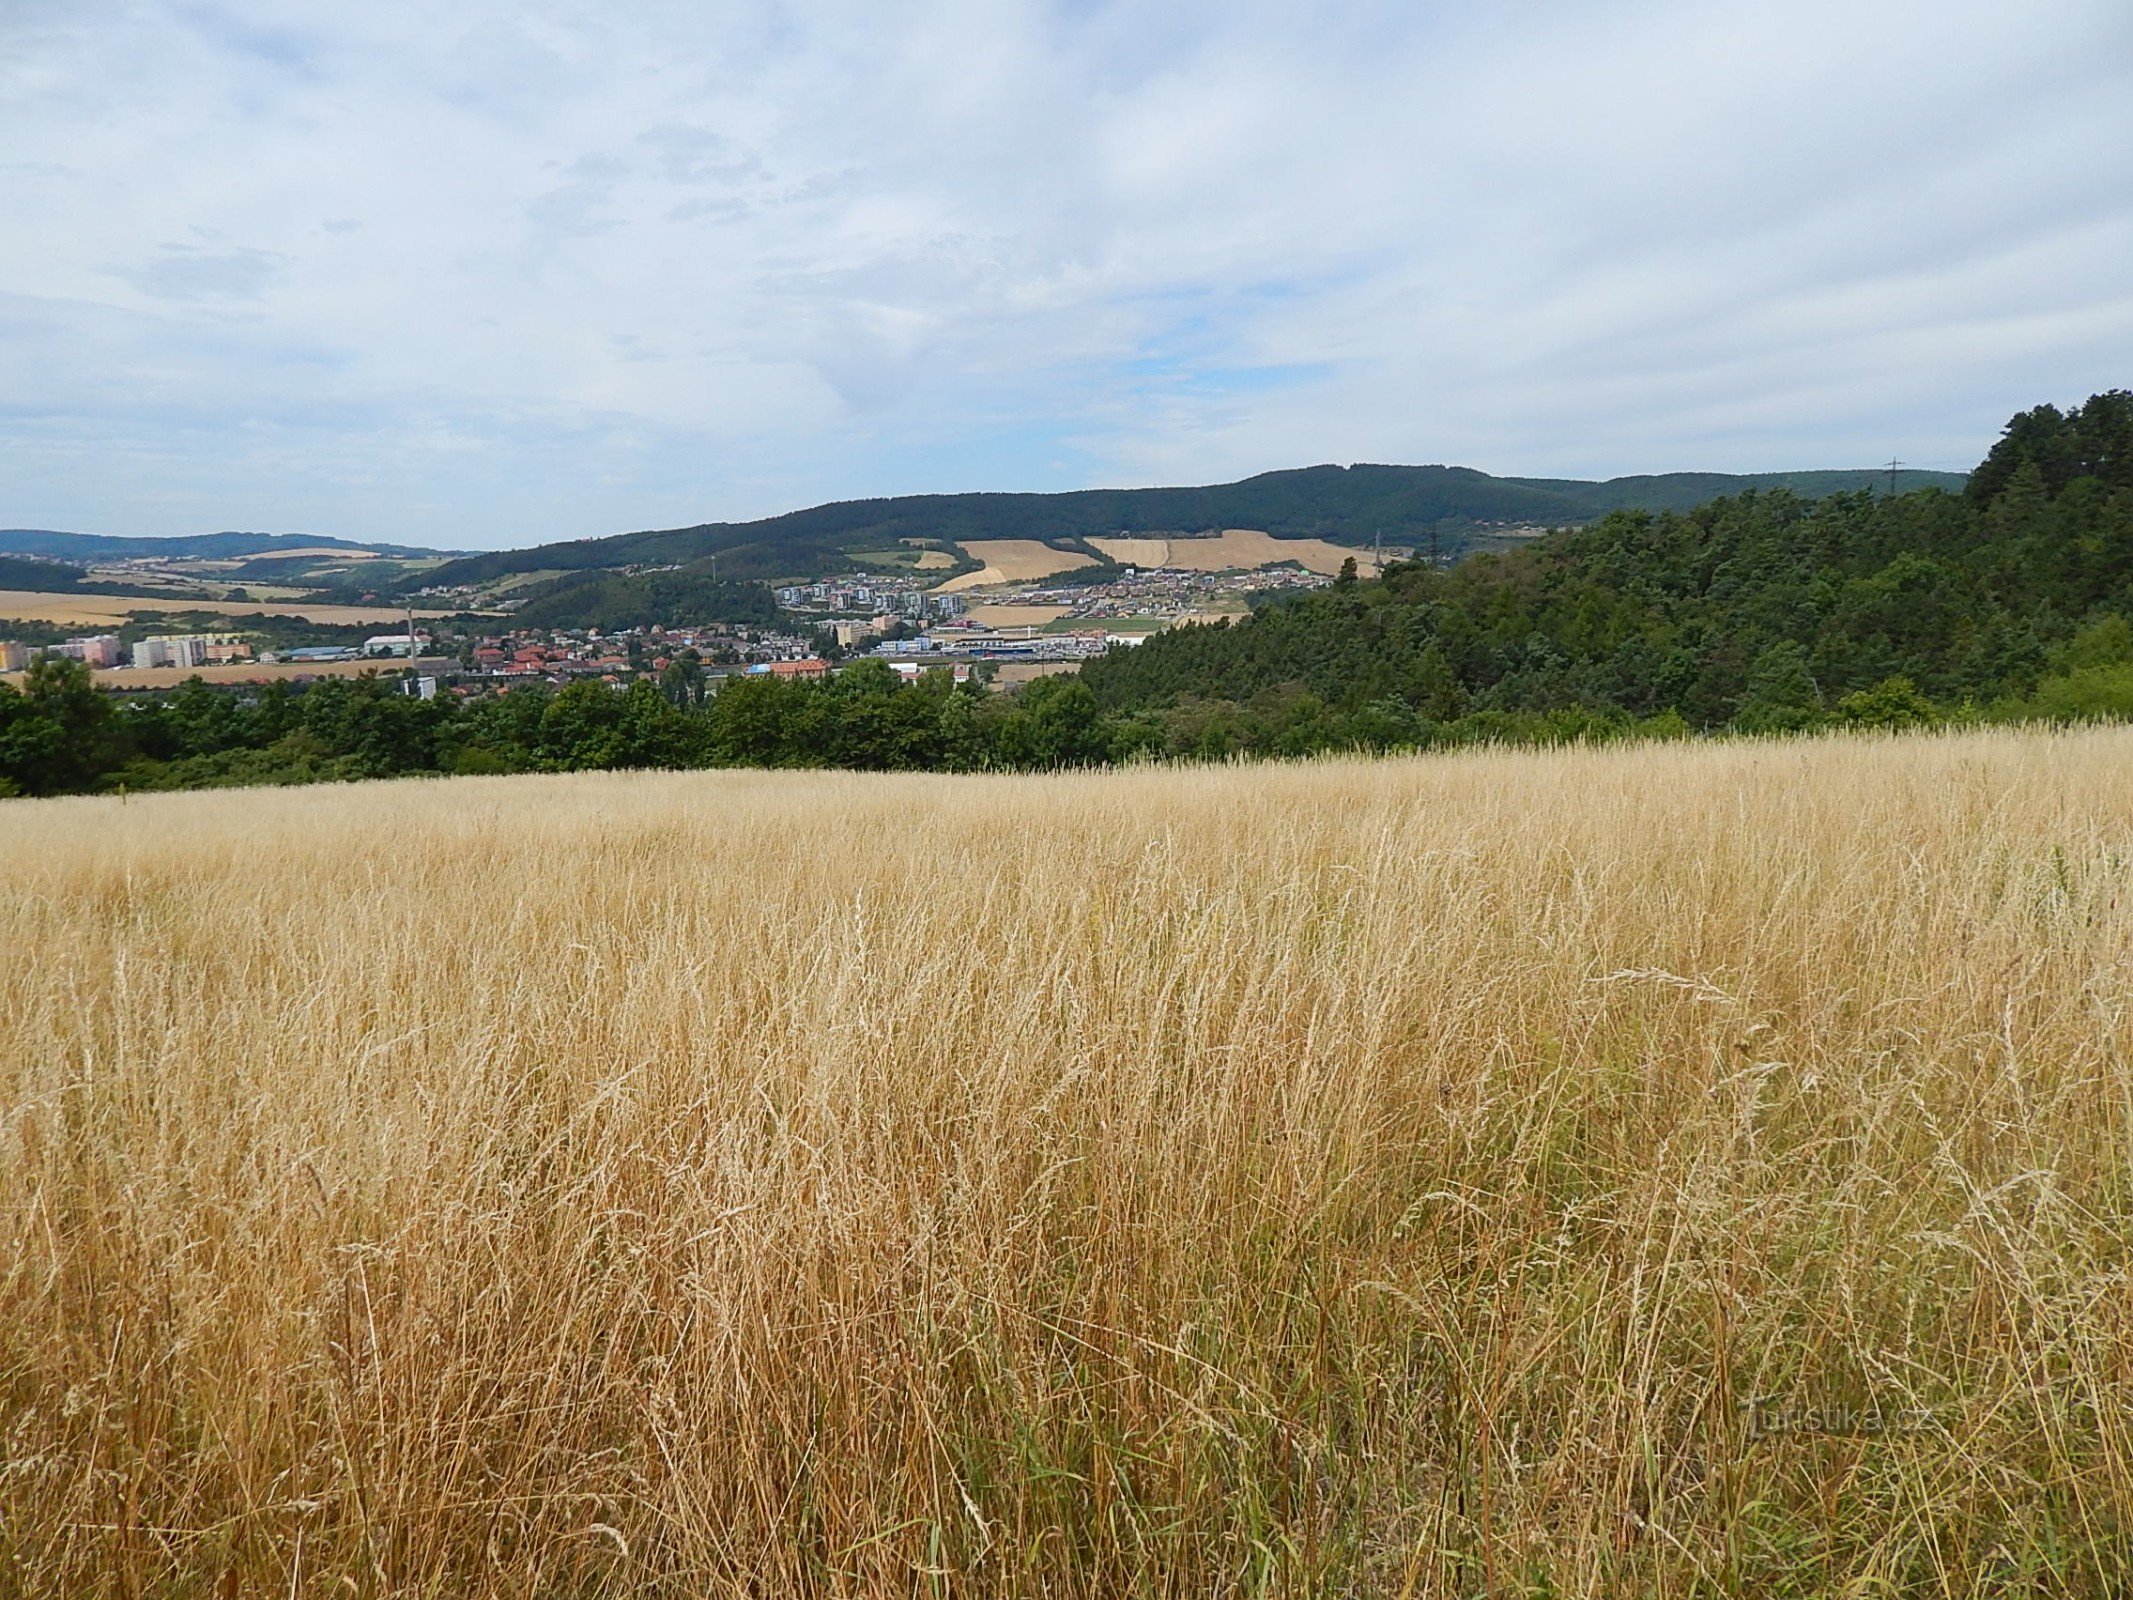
1006 674
1136 552
1012 561
260 592
153 582
92 610
1016 616
1233 547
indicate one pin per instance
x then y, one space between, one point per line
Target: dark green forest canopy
22 572
1762 610
60 735
687 597
2091 441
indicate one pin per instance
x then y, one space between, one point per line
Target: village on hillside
1006 631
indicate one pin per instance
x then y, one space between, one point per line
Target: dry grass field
1015 616
100 610
904 558
1243 548
1684 1170
1011 561
1013 672
1135 552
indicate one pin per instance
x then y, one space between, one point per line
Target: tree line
1758 613
61 735
1762 612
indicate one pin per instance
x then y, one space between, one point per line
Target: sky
478 275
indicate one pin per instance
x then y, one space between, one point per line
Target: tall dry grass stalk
1678 1170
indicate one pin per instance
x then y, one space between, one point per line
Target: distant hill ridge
1765 614
1351 505
1347 504
184 546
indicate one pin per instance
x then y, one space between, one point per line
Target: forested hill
1761 610
1342 503
23 572
187 546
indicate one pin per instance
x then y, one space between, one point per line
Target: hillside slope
1763 610
1351 504
184 546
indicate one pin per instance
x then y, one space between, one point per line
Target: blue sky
488 274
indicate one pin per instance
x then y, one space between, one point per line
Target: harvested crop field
1012 561
1008 674
1135 552
1681 1170
1015 616
92 610
1243 548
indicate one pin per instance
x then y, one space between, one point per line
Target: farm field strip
1011 561
1235 547
91 609
904 560
1004 616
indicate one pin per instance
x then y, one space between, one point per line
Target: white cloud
489 272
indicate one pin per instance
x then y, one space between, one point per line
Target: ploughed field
1693 1169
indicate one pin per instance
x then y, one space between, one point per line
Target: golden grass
1245 548
1388 1178
1011 561
65 610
